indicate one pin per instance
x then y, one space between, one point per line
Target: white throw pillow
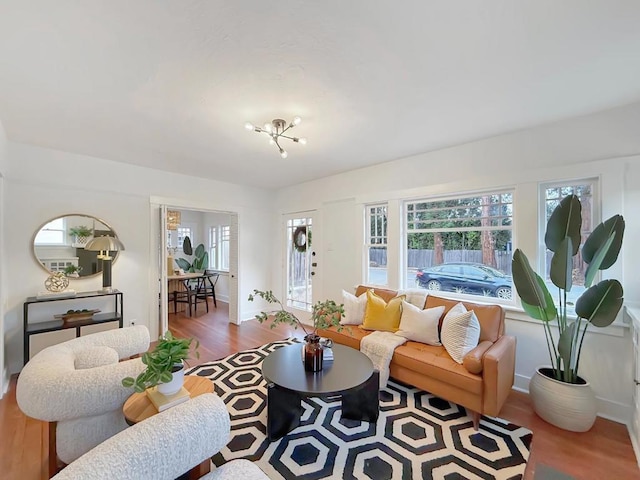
420 325
460 334
354 308
415 296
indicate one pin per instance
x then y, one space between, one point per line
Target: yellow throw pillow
380 315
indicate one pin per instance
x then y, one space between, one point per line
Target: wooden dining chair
190 295
208 287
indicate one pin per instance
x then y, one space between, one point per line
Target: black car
473 278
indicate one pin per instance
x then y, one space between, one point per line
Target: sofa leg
475 416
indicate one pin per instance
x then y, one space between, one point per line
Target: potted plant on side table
558 394
323 315
165 367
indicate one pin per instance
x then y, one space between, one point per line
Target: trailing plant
323 314
72 269
80 231
161 362
597 306
200 261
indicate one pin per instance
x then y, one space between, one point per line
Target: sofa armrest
474 360
498 373
52 393
162 447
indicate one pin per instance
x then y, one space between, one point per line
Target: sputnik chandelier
276 130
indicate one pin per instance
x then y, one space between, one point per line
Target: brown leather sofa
481 384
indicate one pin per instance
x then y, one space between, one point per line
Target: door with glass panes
302 262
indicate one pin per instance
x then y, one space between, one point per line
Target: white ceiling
170 84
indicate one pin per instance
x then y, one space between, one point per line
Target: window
219 247
53 233
461 245
376 245
175 238
553 194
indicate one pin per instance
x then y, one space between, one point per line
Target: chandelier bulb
249 126
302 141
296 121
283 153
268 127
272 141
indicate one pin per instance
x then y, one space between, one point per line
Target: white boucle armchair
76 386
165 446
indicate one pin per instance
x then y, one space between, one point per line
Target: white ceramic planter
568 406
174 385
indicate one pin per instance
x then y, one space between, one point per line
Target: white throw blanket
379 347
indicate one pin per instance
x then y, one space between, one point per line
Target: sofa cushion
460 334
381 315
349 337
354 308
420 325
436 363
491 317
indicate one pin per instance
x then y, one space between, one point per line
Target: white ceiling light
276 130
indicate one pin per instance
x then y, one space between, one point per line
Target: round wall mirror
58 245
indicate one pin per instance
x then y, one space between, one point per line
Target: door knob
313 273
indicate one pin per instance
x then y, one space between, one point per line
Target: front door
302 262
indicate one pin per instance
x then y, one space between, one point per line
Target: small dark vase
313 353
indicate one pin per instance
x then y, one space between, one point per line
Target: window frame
368 237
596 218
406 231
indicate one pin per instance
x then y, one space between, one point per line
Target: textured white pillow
354 308
420 325
460 334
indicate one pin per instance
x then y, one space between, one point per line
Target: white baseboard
634 443
5 382
609 409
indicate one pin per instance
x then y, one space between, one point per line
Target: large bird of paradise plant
598 305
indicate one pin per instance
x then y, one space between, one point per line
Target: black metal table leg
284 409
363 403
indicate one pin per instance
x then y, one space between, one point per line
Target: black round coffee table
350 375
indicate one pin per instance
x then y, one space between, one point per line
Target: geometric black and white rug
417 435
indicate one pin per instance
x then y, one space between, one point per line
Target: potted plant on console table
165 367
323 315
558 394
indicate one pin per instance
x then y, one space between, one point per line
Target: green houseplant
323 315
200 260
81 234
72 270
597 306
163 362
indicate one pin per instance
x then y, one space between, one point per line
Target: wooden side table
138 407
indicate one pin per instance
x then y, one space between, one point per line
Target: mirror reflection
58 245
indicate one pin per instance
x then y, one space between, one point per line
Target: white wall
43 183
566 150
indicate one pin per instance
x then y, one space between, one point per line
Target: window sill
619 328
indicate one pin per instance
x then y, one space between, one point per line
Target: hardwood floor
604 452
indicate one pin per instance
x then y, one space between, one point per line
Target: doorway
213 236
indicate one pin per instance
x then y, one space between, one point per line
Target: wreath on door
301 239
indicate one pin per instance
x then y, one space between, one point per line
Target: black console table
54 325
